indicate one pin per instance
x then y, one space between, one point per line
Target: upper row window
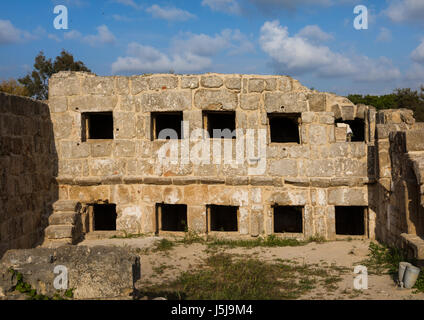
283 127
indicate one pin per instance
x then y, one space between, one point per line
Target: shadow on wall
28 167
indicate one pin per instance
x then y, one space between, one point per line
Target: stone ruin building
88 162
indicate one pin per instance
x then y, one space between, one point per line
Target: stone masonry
28 167
52 185
319 173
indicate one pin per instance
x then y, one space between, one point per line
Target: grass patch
26 288
163 245
269 241
129 236
385 260
227 277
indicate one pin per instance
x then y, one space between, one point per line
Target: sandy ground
167 265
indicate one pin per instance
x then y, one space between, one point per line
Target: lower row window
350 220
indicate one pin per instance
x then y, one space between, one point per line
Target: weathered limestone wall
400 143
319 173
28 165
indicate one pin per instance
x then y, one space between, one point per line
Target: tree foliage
400 98
36 82
12 86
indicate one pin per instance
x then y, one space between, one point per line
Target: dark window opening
223 218
288 219
104 217
284 128
172 217
357 129
223 121
97 125
167 123
350 221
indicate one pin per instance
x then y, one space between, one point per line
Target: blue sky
313 41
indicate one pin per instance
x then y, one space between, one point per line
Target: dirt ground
162 266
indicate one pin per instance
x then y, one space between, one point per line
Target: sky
314 41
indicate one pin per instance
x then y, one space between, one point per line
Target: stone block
66 206
63 218
211 81
206 99
347 197
58 104
256 85
285 84
285 167
139 84
189 82
285 102
233 83
59 232
124 148
92 103
318 134
101 149
317 102
320 168
70 87
163 82
104 86
250 102
166 101
122 85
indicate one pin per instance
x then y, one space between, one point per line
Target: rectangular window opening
288 219
223 218
284 128
355 129
97 126
104 217
172 217
167 125
220 124
350 221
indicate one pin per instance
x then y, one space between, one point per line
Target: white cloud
75 3
146 59
297 55
9 34
272 7
405 10
228 6
385 35
169 13
54 37
314 33
121 18
72 35
374 70
415 74
188 53
130 3
103 36
418 54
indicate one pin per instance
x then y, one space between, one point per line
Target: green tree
13 87
37 81
400 98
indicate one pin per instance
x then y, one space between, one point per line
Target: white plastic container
410 276
401 272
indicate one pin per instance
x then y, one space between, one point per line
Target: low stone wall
28 165
400 167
